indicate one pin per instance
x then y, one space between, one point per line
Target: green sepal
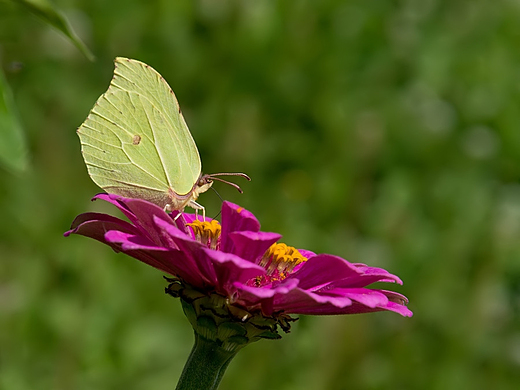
207 327
269 335
228 325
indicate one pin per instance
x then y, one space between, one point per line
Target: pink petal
235 219
192 249
252 245
141 213
300 299
173 262
322 269
95 225
364 296
230 268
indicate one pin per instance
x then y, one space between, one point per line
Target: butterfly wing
135 141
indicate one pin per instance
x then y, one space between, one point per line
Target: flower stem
205 366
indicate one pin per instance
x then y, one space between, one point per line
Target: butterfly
135 142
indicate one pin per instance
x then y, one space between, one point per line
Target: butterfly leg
168 209
194 205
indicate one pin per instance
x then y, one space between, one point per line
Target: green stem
205 366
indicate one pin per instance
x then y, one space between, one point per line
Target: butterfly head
203 184
206 181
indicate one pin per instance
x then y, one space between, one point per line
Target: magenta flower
239 262
236 284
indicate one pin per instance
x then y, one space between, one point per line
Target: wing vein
117 170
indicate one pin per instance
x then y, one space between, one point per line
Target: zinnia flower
237 262
236 283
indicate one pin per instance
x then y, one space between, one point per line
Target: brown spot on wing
136 140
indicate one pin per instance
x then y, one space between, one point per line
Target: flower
243 270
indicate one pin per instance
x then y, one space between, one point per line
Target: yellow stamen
282 258
206 232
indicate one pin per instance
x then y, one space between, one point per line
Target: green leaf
45 10
13 148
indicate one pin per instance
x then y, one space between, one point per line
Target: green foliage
45 10
384 132
13 148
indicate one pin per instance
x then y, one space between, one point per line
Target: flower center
207 233
279 260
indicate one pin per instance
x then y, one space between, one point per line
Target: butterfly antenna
213 176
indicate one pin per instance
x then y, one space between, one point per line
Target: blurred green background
386 132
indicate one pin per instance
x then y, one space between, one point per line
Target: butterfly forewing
135 141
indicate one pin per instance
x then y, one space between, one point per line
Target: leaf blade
49 13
